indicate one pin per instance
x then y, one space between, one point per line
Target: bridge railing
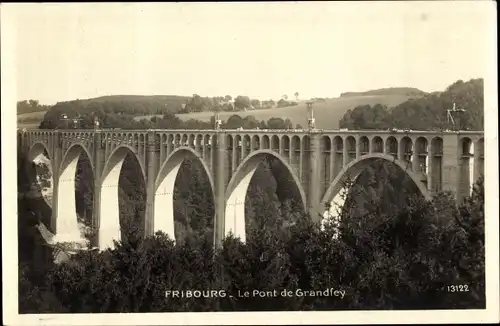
368 131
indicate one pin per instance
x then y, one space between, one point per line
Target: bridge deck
271 131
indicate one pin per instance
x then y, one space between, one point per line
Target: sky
262 50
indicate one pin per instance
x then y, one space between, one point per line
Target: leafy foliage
381 261
425 112
30 106
387 91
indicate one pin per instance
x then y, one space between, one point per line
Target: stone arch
275 143
164 188
255 143
354 168
421 145
75 150
306 143
199 141
285 144
158 140
296 143
350 142
436 163
364 145
421 152
38 148
246 141
206 140
229 142
465 146
264 142
437 146
326 144
237 190
237 140
351 146
391 146
67 229
479 153
377 145
170 142
109 212
480 146
43 179
405 148
338 144
466 177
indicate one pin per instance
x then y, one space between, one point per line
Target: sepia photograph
249 163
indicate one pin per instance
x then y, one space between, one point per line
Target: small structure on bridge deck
456 123
311 122
218 121
96 123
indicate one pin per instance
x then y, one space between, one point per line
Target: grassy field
29 125
327 113
147 117
31 120
38 115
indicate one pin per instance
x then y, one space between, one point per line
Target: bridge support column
314 178
430 172
478 162
358 147
150 184
98 166
451 164
220 189
345 154
56 158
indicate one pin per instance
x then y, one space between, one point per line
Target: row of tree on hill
405 91
62 117
30 106
428 112
219 103
153 105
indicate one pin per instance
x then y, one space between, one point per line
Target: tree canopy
428 112
404 260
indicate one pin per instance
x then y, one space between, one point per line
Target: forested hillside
327 111
409 91
424 113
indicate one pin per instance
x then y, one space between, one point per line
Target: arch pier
317 161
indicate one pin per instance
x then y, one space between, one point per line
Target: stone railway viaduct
318 161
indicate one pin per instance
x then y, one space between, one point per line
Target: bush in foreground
401 261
